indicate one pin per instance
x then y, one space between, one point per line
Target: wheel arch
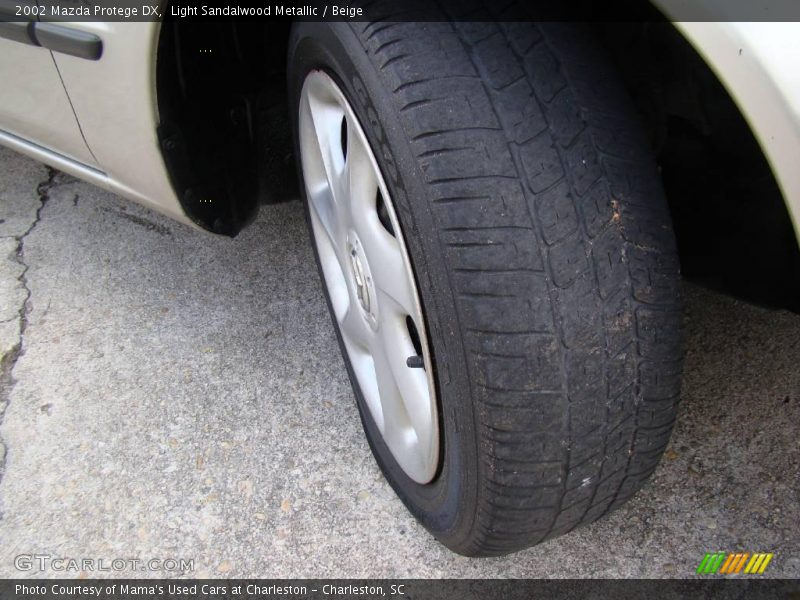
718 102
756 63
225 141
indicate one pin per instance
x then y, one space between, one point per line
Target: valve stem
415 362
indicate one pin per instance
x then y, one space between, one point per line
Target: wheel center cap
362 280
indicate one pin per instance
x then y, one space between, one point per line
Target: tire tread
561 258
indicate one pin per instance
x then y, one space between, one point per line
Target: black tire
542 246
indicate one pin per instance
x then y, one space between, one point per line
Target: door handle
67 40
55 37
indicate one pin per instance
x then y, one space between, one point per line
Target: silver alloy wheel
369 277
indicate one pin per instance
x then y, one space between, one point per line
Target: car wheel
499 263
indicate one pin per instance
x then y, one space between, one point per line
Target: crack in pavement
9 360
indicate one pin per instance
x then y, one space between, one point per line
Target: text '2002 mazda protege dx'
486 199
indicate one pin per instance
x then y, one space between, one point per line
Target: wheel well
732 225
223 128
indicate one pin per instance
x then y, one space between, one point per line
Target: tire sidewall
447 505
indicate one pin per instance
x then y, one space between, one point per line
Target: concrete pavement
166 393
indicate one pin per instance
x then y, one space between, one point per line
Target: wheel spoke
326 117
396 426
321 203
359 178
412 383
393 279
354 327
323 177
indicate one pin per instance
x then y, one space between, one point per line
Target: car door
34 105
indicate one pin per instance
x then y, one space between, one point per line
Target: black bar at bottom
399 589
